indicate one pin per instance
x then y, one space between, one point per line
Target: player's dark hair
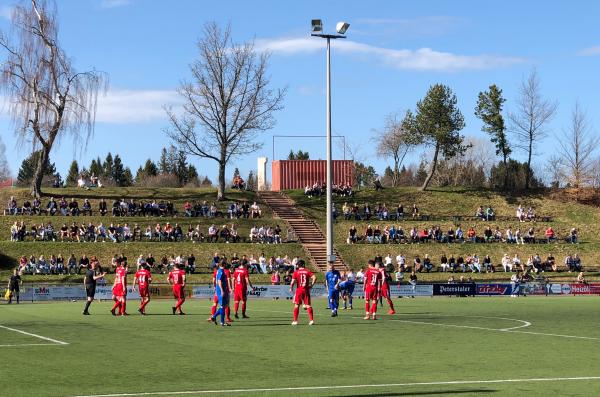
371 262
301 263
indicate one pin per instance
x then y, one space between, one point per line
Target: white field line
30 344
35 335
314 388
511 329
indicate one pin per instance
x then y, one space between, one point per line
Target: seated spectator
471 235
213 234
530 236
37 206
490 215
74 207
352 235
476 265
52 207
86 208
581 278
63 207
415 212
346 211
516 262
417 265
530 214
400 212
255 211
367 211
102 209
487 264
12 207
444 263
521 216
550 263
573 239
254 234
577 263
550 236
488 235
369 234
480 214
26 208
427 265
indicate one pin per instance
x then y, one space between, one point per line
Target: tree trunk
505 173
528 174
432 169
40 170
221 186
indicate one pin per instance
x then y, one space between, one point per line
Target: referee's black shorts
90 291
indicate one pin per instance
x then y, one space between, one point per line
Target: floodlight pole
329 212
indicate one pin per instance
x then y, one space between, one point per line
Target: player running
332 283
371 287
385 287
241 282
177 280
222 282
304 279
143 278
347 288
119 290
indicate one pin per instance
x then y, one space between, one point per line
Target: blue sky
395 50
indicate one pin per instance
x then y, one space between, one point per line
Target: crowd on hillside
63 265
320 188
131 207
118 233
396 234
534 264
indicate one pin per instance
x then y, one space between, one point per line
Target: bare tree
227 104
529 121
4 167
47 97
395 141
577 147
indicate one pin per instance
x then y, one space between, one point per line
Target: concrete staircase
307 231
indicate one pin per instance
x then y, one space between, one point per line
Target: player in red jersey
372 288
143 278
304 280
177 280
119 290
241 282
385 287
213 308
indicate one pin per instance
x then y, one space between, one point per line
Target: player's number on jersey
303 280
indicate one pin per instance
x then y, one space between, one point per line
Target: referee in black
90 284
14 285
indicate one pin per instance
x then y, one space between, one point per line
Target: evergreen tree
96 168
489 110
28 167
107 167
150 169
163 164
437 123
73 174
127 179
140 175
181 169
118 171
192 173
364 175
206 182
421 173
251 182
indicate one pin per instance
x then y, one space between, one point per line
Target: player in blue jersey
222 292
332 281
347 288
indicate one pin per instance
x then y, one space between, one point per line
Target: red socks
310 313
227 313
374 307
213 310
123 306
296 311
367 306
117 305
178 305
236 306
390 303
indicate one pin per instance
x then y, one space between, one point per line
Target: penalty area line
58 342
309 388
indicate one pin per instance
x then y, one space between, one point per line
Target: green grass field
434 346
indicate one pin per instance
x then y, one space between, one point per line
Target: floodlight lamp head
316 25
342 27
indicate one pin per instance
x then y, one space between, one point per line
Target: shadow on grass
7 262
426 393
